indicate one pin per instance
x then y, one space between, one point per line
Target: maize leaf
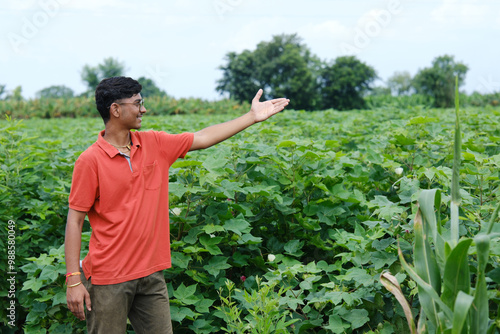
479 313
426 267
460 312
456 273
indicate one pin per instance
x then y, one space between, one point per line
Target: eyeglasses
139 103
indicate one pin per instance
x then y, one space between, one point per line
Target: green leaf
186 163
293 247
180 260
456 273
211 244
479 320
429 203
33 284
422 120
287 143
247 238
447 313
187 294
203 305
229 189
336 325
216 265
237 225
426 267
179 313
357 317
59 298
460 311
382 259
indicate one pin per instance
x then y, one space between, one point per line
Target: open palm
266 109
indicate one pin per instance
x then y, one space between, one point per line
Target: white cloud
462 11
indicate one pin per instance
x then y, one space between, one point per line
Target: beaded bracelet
73 285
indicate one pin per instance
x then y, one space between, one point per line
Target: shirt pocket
152 176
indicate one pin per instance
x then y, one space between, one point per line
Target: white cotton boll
399 170
271 258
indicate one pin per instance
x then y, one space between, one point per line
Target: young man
121 183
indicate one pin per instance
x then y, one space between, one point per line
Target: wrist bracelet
73 285
68 275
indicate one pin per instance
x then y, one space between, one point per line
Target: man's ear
114 110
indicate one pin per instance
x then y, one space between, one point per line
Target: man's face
132 110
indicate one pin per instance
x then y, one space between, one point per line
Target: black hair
112 89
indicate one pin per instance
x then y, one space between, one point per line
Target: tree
239 77
2 91
438 81
281 67
15 95
287 68
55 92
400 83
149 88
344 83
92 75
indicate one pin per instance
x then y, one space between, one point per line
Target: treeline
284 66
84 106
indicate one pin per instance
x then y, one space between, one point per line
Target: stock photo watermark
223 6
31 25
488 84
371 28
11 272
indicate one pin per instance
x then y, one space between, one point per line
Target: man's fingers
258 95
77 300
87 301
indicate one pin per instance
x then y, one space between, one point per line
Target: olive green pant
143 301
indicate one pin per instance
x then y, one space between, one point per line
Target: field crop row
315 203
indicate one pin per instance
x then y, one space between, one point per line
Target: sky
181 44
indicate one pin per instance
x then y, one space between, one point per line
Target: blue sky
181 43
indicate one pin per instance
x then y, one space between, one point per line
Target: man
121 183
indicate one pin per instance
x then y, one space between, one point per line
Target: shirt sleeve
84 186
174 146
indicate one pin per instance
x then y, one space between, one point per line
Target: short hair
112 89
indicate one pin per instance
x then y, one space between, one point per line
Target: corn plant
450 301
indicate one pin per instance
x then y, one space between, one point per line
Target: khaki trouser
143 301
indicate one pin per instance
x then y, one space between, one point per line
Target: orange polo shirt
127 209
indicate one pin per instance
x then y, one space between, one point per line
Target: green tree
149 88
438 81
400 83
92 75
15 95
344 82
239 77
286 67
2 91
55 92
283 66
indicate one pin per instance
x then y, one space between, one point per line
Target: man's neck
115 136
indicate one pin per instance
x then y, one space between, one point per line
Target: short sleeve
84 186
174 146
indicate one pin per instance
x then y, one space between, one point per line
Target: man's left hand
264 110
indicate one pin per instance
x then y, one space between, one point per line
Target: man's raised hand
264 110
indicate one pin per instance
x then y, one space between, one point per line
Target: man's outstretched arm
260 111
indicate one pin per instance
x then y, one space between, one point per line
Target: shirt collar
113 151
